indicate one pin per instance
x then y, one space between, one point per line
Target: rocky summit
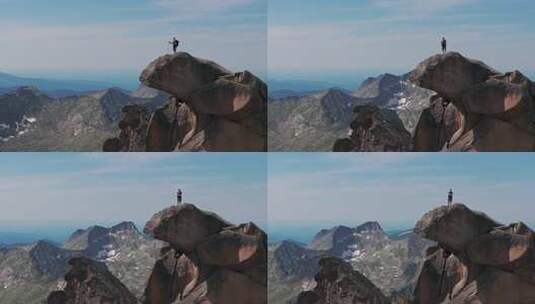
476 108
477 260
208 259
338 283
209 109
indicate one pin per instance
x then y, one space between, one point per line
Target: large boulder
239 248
438 276
184 226
490 263
210 108
501 249
487 111
494 286
172 125
491 134
180 74
210 260
437 124
227 287
173 276
454 227
450 74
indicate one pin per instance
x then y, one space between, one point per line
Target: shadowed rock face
375 130
91 282
210 108
484 262
338 283
209 260
133 131
484 110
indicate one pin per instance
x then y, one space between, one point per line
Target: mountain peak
27 91
124 226
334 93
371 226
109 93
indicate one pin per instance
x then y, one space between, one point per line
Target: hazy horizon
69 38
78 190
395 189
310 36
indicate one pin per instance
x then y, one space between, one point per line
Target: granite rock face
477 259
208 260
209 108
476 107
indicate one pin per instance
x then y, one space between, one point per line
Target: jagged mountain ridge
28 273
32 121
305 123
309 123
390 262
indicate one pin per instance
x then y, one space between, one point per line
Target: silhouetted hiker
175 44
444 44
179 196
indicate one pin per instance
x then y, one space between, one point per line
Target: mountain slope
28 273
291 270
309 123
396 93
389 262
32 121
314 121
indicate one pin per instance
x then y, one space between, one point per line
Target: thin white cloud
200 7
423 6
125 46
387 44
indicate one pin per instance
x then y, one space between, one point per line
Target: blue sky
85 189
312 38
323 189
66 38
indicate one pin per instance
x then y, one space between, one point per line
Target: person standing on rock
444 44
179 196
175 43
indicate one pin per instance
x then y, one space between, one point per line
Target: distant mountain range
30 120
300 121
389 261
51 87
29 272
